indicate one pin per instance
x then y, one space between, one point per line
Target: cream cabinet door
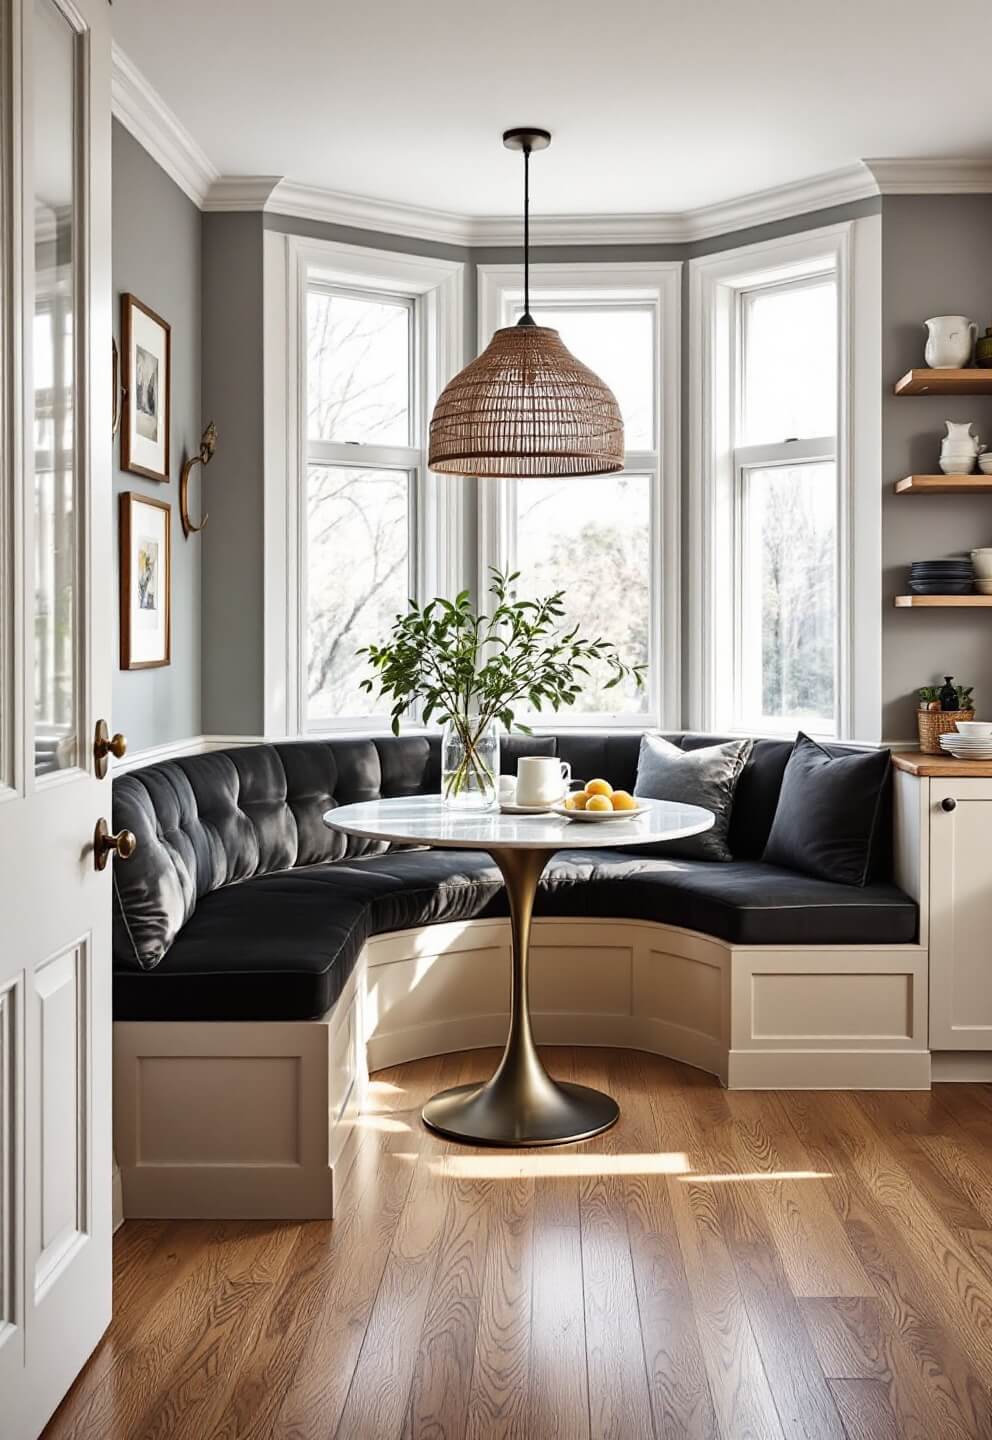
56 639
961 914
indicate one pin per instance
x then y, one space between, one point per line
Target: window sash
746 630
358 455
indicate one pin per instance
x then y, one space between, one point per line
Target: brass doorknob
105 744
123 844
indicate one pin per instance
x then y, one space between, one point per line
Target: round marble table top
425 820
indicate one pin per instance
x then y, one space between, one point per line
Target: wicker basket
934 723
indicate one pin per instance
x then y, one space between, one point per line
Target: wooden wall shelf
945 382
930 602
945 485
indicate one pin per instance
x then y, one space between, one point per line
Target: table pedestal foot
496 1114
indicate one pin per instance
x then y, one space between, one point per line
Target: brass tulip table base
521 1104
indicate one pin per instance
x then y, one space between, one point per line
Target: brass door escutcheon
105 744
105 844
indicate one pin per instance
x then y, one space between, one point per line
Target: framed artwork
146 341
146 581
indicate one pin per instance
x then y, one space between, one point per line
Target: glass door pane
54 381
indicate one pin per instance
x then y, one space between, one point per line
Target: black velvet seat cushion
281 946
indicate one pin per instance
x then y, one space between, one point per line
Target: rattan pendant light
526 406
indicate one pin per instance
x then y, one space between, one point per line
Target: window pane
789 598
619 346
55 617
358 369
357 579
790 363
590 538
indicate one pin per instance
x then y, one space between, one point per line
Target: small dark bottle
948 694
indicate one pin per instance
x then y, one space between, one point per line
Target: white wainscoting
247 1119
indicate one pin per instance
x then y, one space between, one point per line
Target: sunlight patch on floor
749 1175
541 1164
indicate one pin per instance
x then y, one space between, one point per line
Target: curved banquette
240 903
265 963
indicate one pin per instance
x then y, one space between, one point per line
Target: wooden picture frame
146 363
145 582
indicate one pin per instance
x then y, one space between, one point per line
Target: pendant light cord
526 318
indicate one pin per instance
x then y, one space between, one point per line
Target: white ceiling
655 106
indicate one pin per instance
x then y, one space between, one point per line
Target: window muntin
786 507
359 493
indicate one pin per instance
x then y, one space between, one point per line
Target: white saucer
595 816
507 809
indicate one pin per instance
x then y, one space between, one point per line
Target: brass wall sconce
208 444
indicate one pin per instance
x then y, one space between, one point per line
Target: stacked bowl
972 740
982 561
942 577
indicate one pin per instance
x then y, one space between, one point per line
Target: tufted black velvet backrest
205 821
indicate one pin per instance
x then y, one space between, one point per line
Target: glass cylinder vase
470 763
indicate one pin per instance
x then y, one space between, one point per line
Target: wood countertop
944 766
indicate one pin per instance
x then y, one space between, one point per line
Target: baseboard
962 1066
829 1070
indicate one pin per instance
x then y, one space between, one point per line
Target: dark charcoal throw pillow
828 809
706 777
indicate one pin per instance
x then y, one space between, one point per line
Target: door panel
960 915
56 650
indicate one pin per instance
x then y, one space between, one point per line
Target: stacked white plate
967 747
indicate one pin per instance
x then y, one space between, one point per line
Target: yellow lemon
599 787
623 800
570 803
578 800
598 802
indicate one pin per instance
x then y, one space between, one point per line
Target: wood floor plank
666 1279
619 1400
847 1335
498 1397
681 1403
866 1410
557 1382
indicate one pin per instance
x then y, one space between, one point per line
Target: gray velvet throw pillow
706 777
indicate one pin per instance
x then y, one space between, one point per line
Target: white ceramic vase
950 341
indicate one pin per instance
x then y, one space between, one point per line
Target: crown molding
155 126
932 177
143 112
241 192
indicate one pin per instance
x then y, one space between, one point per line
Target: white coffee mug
541 779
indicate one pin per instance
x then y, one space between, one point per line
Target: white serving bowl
982 561
979 729
985 463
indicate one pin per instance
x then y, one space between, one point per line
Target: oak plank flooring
744 1266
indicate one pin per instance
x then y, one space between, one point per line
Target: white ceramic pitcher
950 341
959 440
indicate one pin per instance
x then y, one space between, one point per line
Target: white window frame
435 287
852 253
659 285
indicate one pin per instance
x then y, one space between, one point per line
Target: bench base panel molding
247 1119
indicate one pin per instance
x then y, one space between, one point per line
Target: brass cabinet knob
105 744
105 844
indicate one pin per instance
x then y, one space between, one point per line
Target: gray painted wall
936 260
157 256
233 599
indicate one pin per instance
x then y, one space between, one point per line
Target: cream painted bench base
247 1119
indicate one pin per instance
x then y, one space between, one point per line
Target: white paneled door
56 637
